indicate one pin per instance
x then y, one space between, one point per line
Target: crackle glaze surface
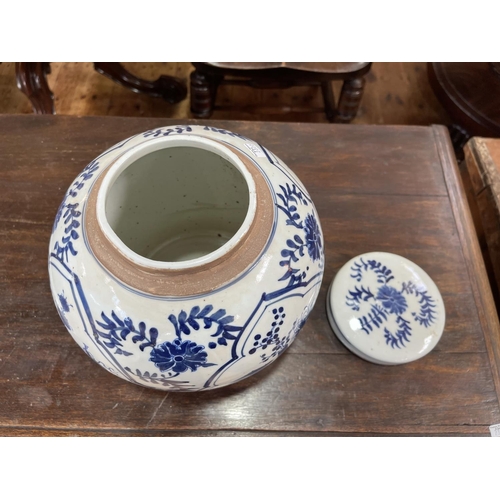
199 341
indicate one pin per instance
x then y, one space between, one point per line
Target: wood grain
482 168
376 188
488 315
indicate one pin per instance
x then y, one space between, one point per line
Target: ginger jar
185 258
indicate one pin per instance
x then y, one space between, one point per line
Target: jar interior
177 204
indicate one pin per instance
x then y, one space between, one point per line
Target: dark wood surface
31 79
470 93
394 189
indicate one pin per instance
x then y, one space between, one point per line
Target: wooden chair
32 81
208 76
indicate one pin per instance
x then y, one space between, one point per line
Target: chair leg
350 97
203 92
459 137
31 81
329 100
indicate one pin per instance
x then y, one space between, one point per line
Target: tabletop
377 188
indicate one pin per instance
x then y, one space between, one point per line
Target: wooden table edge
476 269
416 430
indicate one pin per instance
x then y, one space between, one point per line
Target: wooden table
394 189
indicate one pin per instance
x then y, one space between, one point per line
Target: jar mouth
176 203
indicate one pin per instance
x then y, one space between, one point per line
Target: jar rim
163 143
191 280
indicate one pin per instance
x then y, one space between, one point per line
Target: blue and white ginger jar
185 258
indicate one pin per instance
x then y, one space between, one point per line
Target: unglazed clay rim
137 152
189 282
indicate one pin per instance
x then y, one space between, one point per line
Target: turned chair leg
203 93
350 97
31 81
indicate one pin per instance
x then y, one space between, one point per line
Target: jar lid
385 309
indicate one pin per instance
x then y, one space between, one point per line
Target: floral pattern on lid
385 309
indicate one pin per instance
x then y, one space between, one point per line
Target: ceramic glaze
185 258
385 309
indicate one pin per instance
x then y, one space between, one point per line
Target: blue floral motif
310 239
71 215
87 174
166 132
280 345
174 357
299 323
291 254
427 314
171 382
402 334
296 247
116 332
387 301
65 247
384 275
392 300
356 296
224 132
60 211
179 356
290 197
184 324
313 237
65 308
272 337
65 305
